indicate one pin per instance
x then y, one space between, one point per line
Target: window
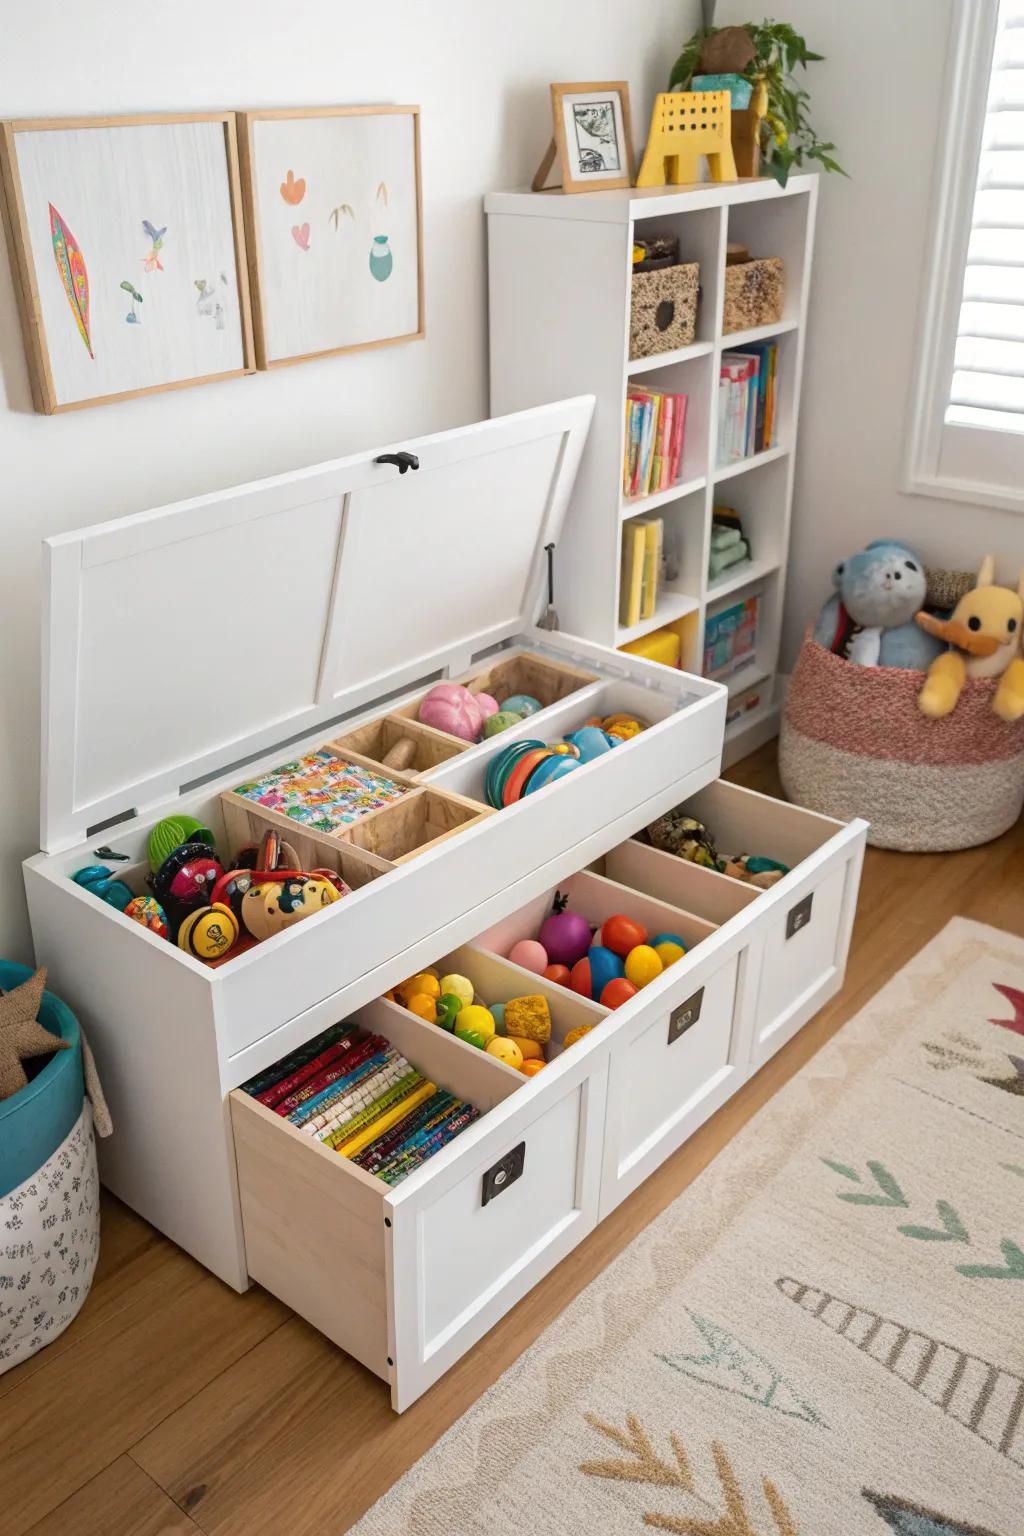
966 437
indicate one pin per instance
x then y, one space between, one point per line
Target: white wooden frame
930 440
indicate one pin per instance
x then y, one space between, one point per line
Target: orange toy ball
621 934
617 992
557 973
423 1006
531 1068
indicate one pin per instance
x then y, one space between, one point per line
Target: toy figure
869 618
984 635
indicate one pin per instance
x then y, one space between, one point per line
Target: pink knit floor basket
854 743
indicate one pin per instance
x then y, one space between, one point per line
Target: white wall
877 96
480 72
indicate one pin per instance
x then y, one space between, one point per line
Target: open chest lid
182 640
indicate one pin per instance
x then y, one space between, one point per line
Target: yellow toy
529 1017
984 634
684 126
422 983
505 1050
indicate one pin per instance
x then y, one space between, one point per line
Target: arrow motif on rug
646 1466
1013 1269
1015 997
734 1367
911 1520
953 1229
891 1192
984 1398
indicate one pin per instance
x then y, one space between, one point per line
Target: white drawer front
457 1264
801 964
669 1070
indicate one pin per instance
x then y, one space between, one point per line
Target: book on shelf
746 402
730 638
655 431
642 540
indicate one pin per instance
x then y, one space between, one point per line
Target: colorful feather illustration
71 267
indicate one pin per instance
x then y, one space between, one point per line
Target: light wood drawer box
407 1279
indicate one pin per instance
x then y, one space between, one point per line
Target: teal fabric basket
34 1122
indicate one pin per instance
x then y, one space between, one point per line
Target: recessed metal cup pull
799 916
504 1172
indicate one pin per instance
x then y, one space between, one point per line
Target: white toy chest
189 648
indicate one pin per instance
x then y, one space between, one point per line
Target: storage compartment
523 672
372 742
803 922
417 823
407 1278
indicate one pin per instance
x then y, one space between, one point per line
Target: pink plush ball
530 955
452 708
488 705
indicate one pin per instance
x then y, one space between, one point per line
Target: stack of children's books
642 540
747 402
357 1094
655 433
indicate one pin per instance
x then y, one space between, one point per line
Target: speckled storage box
754 293
663 315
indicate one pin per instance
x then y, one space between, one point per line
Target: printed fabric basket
854 743
49 1189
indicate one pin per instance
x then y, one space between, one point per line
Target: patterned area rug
823 1336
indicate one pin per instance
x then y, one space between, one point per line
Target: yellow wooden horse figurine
684 126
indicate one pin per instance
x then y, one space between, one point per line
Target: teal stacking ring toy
499 768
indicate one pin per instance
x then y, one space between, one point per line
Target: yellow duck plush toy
984 634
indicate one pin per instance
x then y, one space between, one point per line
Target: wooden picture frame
78 293
597 113
330 308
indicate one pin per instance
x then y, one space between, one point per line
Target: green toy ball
500 721
171 833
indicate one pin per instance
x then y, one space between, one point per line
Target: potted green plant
775 130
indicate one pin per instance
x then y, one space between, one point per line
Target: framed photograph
127 243
592 136
335 229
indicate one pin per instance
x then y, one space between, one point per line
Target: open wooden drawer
759 965
406 1279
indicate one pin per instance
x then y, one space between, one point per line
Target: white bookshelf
560 271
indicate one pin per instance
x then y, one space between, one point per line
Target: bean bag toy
49 1189
853 742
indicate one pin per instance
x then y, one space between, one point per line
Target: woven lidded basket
754 293
663 313
854 743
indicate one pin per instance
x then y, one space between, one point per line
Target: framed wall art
592 138
128 250
335 229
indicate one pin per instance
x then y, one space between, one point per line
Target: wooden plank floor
172 1405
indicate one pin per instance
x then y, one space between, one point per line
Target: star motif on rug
21 1035
1015 997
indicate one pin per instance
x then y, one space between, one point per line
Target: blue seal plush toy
869 619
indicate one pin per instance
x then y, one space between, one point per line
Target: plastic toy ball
530 1050
559 974
423 1007
643 965
522 704
532 1067
421 982
487 703
148 911
459 985
621 934
477 1019
591 975
208 932
530 955
506 1051
565 935
471 1037
452 708
500 721
448 1008
617 992
668 947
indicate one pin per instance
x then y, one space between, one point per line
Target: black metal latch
402 460
504 1172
